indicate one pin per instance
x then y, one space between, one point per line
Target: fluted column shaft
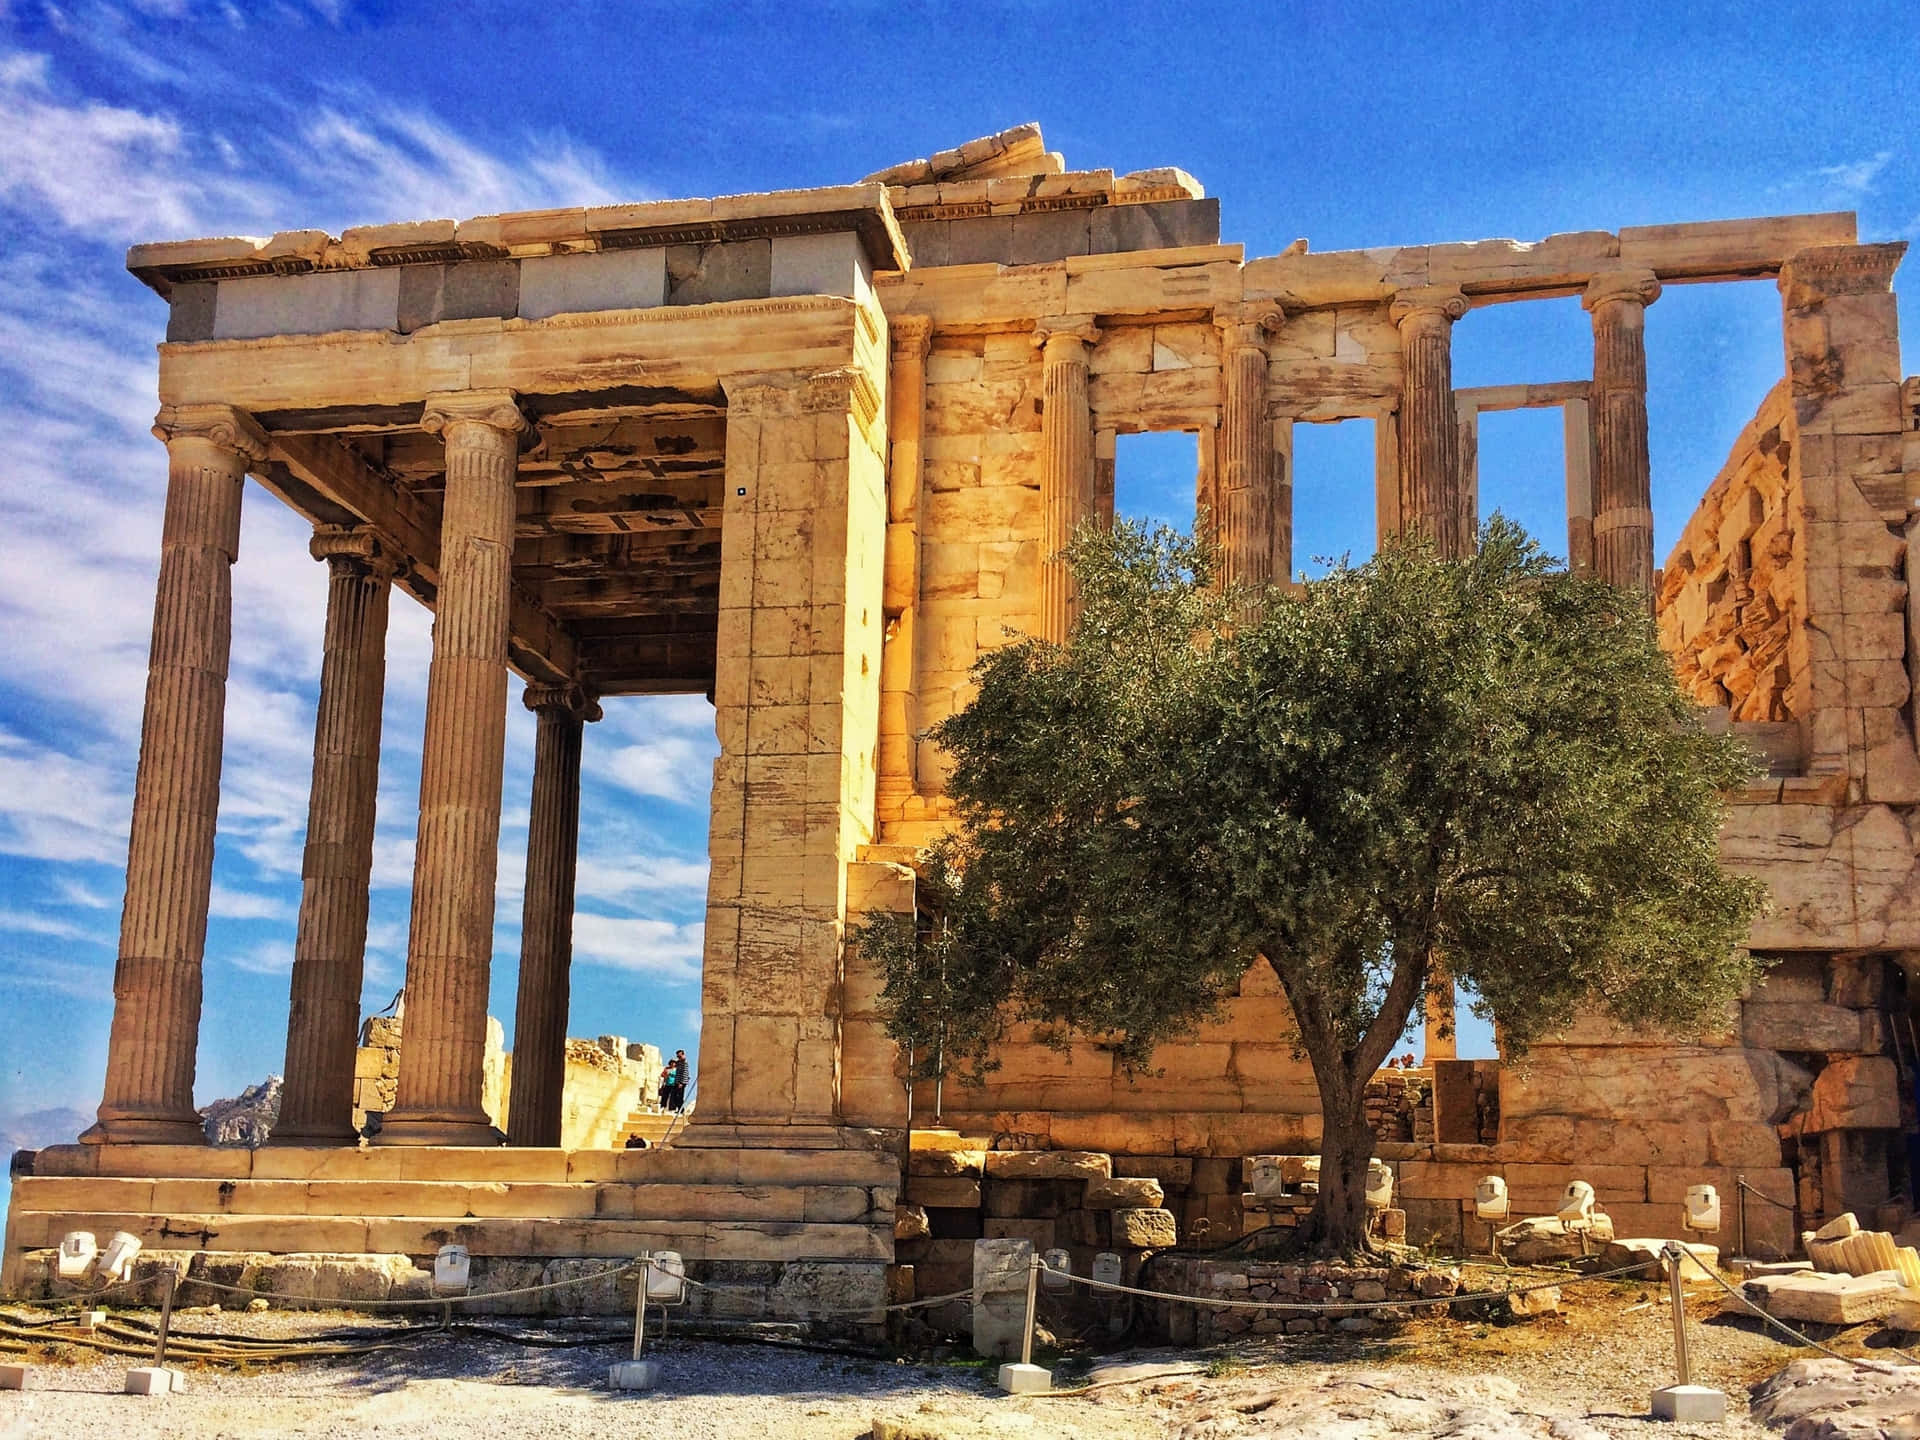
1622 472
546 925
1432 502
1066 464
152 1046
450 940
1245 522
329 950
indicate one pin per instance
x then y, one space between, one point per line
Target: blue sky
1350 124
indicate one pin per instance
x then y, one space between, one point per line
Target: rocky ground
1580 1375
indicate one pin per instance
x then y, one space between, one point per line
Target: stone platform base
777 1232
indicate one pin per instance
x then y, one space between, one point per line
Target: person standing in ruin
677 1088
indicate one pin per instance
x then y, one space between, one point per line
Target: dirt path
1584 1375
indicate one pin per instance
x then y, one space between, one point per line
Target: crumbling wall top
862 209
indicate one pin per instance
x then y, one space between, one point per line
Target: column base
344 1135
400 1128
763 1135
144 1130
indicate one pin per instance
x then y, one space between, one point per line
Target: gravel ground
1582 1375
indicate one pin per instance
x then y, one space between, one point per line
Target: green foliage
1486 761
942 1002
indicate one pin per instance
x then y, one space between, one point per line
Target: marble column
151 1048
896 760
450 942
1066 462
546 925
1431 499
1622 480
1245 458
329 950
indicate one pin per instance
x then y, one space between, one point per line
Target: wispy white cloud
112 172
615 876
270 957
229 904
1855 177
21 922
653 947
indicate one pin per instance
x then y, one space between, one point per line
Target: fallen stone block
13 1377
1544 1239
1048 1165
1530 1304
1650 1255
153 1380
1824 1299
1905 1314
1144 1229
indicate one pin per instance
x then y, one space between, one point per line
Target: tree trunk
1338 1222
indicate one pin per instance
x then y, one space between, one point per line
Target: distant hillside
38 1128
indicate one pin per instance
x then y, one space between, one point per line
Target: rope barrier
1314 1307
1778 1204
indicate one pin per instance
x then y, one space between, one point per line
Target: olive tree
1406 772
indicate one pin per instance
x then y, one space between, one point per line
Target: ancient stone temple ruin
808 453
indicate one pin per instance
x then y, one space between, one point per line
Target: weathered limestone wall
1732 604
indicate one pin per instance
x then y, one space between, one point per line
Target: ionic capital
360 546
231 430
912 335
1641 287
1421 306
1249 326
566 697
1065 338
495 409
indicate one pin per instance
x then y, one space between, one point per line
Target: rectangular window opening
1522 469
1156 477
1334 515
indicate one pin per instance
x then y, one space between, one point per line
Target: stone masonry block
1121 1194
943 1191
1148 1229
1048 1165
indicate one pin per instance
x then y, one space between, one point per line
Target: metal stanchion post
157 1379
1683 1400
1027 1378
638 1373
1033 1296
1740 1190
166 1320
1682 1371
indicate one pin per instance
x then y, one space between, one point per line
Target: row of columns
148 1095
1433 497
